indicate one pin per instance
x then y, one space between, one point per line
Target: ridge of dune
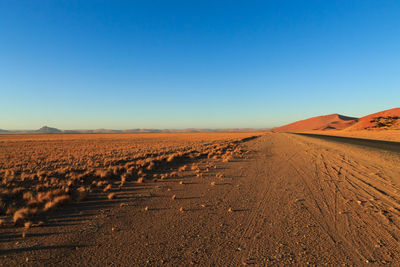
383 120
325 122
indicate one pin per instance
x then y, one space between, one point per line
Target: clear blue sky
177 64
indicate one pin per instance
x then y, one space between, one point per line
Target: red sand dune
326 122
388 119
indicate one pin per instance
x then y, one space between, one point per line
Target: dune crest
384 120
326 122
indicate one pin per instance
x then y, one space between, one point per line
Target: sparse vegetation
111 196
384 122
39 173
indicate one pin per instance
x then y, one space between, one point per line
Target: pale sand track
296 199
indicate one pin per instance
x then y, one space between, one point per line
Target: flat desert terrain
223 199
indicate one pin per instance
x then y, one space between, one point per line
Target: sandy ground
388 135
296 199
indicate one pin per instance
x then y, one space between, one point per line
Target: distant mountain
384 120
326 122
48 130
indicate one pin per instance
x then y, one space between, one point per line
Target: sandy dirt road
296 199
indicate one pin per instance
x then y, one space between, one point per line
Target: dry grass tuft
194 167
151 166
20 215
107 188
226 158
81 193
56 202
173 174
111 196
183 168
104 174
123 179
171 158
28 224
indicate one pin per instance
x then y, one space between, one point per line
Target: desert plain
178 199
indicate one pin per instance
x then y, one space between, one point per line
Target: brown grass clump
101 183
123 179
56 202
20 215
111 196
107 188
173 174
140 180
107 173
226 158
28 224
151 166
171 158
182 169
81 193
130 172
194 167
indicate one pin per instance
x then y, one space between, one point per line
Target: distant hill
326 122
387 119
48 130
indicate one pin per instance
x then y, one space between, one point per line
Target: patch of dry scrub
39 173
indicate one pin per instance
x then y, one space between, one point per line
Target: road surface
376 144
